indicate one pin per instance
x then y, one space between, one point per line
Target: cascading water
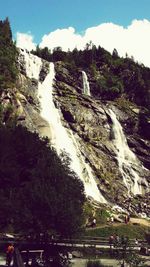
61 138
128 162
33 64
86 87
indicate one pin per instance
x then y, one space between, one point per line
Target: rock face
91 125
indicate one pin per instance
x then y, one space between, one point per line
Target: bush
101 216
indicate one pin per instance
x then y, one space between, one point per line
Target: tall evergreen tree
8 55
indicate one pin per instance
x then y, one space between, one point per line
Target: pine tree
8 55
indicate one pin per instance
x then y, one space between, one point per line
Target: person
128 218
116 240
9 254
111 240
93 224
111 219
122 264
143 250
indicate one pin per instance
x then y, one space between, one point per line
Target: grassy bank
130 230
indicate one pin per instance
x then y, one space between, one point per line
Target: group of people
110 220
115 240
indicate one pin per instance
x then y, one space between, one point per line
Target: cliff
92 122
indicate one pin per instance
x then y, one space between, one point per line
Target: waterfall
86 87
128 162
33 64
61 138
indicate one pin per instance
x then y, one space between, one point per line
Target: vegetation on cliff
38 191
8 55
8 70
110 75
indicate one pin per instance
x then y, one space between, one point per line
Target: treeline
110 75
8 56
38 190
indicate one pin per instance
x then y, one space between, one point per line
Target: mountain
104 138
95 106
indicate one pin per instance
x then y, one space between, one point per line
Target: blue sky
43 16
120 24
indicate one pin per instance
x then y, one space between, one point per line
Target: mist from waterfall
62 139
128 162
86 86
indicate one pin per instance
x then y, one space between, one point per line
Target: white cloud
25 40
65 38
107 35
133 40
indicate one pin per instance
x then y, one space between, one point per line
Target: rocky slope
90 122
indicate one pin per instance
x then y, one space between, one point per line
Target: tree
39 191
115 53
8 55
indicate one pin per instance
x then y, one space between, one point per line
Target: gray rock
91 127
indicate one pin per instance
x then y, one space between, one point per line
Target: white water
86 87
128 162
60 137
33 64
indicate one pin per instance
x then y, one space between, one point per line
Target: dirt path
132 221
140 221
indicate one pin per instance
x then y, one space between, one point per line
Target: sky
120 24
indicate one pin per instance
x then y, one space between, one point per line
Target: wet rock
44 71
88 120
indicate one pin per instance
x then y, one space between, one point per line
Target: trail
133 221
140 221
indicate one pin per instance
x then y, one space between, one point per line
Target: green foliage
134 260
8 54
124 104
131 231
108 87
93 70
38 190
111 75
102 215
144 125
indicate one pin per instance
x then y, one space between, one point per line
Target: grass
95 264
131 231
